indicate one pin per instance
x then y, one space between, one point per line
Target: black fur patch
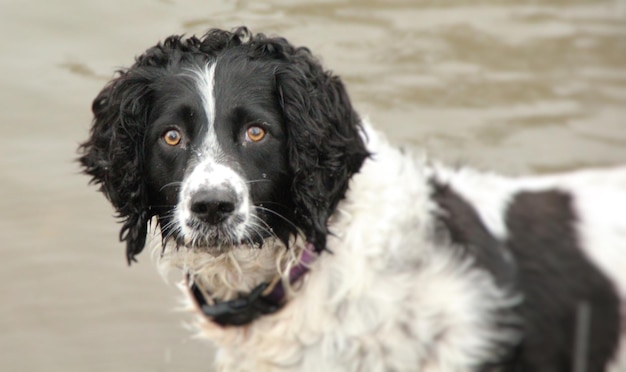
560 286
465 228
462 225
557 280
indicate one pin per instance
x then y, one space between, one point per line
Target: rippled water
516 86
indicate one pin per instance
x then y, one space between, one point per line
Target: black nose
213 206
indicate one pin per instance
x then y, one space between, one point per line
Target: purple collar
265 299
277 294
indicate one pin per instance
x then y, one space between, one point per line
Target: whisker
266 227
272 203
175 183
162 206
255 227
259 180
196 150
171 227
278 215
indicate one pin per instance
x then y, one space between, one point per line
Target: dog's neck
266 298
237 271
241 271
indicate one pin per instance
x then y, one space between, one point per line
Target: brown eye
172 137
255 133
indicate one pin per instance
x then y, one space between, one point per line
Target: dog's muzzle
213 206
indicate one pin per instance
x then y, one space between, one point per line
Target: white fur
389 297
205 80
489 193
210 175
599 198
380 301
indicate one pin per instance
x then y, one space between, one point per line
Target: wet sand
494 84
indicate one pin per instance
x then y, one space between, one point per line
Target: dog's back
566 246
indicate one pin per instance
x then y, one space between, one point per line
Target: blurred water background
515 86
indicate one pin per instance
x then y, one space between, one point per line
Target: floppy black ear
113 154
324 139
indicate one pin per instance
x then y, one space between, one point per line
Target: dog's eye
172 137
255 133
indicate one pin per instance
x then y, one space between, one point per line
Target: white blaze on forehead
205 80
211 171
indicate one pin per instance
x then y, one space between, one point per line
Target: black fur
323 147
549 270
463 226
556 278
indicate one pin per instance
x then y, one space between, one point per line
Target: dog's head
228 139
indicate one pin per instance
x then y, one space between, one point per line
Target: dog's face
227 140
216 155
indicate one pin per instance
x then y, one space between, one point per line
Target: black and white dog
308 243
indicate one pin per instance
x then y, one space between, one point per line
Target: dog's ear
325 142
113 154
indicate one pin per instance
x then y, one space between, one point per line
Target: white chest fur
381 300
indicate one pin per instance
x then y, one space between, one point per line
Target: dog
307 242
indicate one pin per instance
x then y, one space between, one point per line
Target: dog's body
257 170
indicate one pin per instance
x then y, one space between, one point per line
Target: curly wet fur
421 268
324 150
